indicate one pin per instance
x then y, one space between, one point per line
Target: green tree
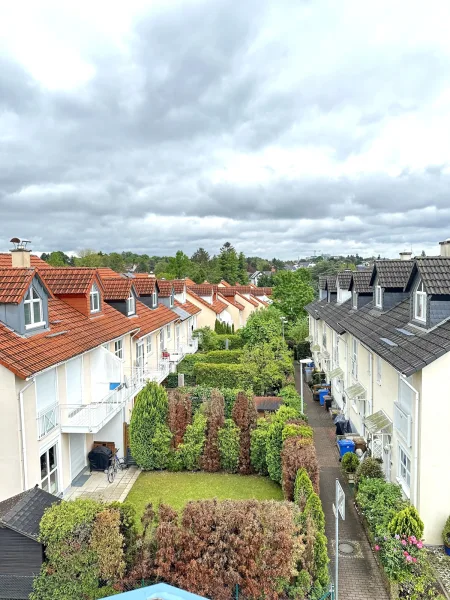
57 259
242 270
229 445
89 258
292 291
272 363
148 416
275 440
180 265
191 450
262 326
115 262
258 446
229 263
201 257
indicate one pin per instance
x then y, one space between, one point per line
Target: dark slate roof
16 587
330 312
392 273
331 283
313 308
435 274
406 353
24 512
322 282
267 403
344 279
361 282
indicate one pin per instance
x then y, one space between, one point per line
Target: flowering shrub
398 554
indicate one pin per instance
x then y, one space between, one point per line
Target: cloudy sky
284 126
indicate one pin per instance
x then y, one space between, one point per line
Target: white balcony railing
402 423
157 374
47 420
192 346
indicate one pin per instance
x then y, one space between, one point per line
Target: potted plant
446 536
349 464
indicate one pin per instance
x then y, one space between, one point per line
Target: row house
76 347
384 344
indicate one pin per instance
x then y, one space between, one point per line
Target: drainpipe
416 441
22 435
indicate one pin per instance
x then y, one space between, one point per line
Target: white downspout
22 435
416 442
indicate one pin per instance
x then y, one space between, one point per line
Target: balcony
47 420
158 374
402 423
192 346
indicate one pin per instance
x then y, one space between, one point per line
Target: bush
224 356
194 439
258 446
446 533
275 440
149 414
224 375
215 414
296 430
313 508
201 393
180 414
302 488
379 502
245 416
298 453
350 462
207 339
370 468
407 522
292 398
234 341
229 446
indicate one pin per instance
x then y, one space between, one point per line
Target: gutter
22 436
416 442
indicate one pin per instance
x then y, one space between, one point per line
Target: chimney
405 255
20 255
445 247
151 275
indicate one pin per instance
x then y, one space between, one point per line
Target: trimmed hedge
234 341
188 363
224 356
224 375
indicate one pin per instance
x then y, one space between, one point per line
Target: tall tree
292 291
242 269
229 263
179 265
115 262
57 259
201 257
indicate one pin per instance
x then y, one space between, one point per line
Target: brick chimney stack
20 254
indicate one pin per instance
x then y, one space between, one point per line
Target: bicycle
115 464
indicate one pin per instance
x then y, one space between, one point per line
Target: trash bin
322 393
346 446
308 374
328 401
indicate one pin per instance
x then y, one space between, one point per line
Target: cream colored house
386 351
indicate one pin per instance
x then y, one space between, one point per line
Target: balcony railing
145 373
47 420
192 346
402 423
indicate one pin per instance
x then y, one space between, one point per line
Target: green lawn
178 488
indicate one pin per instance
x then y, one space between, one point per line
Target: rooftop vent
405 255
404 331
388 342
20 254
445 247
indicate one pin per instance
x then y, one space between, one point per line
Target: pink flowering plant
400 555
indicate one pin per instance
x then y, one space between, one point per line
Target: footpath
359 577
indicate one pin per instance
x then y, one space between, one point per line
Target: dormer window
154 299
171 299
420 303
131 304
378 296
354 299
95 299
33 310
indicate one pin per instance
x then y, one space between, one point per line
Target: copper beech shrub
245 416
215 413
180 415
220 544
298 453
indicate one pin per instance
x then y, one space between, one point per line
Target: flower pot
447 549
351 477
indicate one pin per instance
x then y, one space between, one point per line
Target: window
149 344
336 350
161 340
171 299
33 309
49 470
95 299
420 303
355 358
168 331
354 299
379 370
131 304
154 299
324 336
118 349
404 467
378 295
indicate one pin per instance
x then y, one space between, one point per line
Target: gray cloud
157 151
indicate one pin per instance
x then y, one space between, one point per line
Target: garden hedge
224 356
234 341
224 375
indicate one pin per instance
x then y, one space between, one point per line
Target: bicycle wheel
111 474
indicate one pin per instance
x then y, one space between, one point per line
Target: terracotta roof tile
188 307
217 306
144 287
106 272
225 283
118 288
179 285
67 281
165 288
71 334
204 289
262 291
232 301
14 284
149 319
6 261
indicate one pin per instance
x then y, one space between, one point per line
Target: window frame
32 298
378 292
420 295
406 466
379 369
154 299
94 294
172 299
50 472
354 299
149 345
354 358
131 304
118 348
168 332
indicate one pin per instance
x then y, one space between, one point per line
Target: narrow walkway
359 577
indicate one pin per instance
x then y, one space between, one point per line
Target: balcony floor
98 488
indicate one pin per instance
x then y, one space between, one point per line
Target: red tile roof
232 301
149 319
14 284
118 288
179 285
165 288
106 272
144 287
267 403
142 275
188 307
204 289
6 261
217 306
67 281
225 283
189 281
71 334
261 291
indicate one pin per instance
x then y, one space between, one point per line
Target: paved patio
359 576
98 488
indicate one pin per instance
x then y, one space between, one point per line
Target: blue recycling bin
322 393
346 446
